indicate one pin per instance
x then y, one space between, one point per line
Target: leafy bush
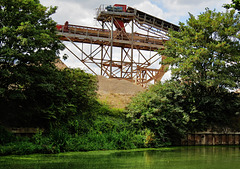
79 125
5 136
38 138
59 137
20 148
161 112
97 140
171 109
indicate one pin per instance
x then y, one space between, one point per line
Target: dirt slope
117 93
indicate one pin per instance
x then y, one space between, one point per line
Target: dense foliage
107 131
76 96
204 59
205 55
205 63
161 111
206 51
170 110
235 4
28 51
33 92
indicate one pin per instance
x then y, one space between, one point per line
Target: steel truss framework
119 53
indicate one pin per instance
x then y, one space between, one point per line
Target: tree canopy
235 4
162 109
205 56
206 51
29 48
205 64
170 110
32 90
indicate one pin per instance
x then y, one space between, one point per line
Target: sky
83 12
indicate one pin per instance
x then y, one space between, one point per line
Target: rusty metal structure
119 51
212 138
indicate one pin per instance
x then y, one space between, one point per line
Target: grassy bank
66 143
109 130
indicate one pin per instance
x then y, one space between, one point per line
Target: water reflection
174 158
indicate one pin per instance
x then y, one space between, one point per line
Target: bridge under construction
119 50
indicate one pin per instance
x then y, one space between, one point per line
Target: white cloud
177 10
150 8
82 12
73 12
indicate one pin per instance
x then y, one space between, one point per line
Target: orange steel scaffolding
132 64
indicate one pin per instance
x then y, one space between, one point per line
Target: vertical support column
121 62
111 48
132 50
102 52
90 54
82 52
101 59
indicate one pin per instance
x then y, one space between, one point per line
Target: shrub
5 136
111 140
19 148
59 137
159 111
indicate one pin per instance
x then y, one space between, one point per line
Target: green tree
170 110
28 49
204 55
206 51
235 4
163 109
204 59
76 97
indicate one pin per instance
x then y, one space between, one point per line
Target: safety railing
105 33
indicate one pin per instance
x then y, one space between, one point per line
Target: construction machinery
125 46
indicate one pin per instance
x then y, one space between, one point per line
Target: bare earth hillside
117 93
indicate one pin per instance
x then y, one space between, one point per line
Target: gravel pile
114 85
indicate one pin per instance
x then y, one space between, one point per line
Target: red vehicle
63 28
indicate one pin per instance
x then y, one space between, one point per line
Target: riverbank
109 130
60 140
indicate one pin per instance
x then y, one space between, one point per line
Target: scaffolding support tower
119 50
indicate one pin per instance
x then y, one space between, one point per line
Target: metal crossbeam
133 63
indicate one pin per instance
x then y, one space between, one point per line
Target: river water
166 158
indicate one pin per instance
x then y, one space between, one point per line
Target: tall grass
109 130
110 140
